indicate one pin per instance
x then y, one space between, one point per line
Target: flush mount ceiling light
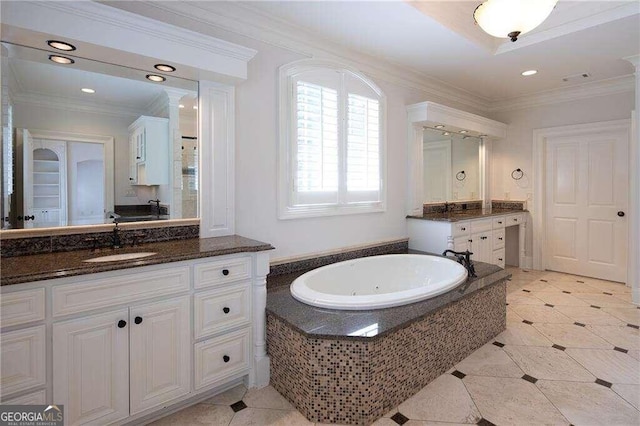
439 126
155 78
445 133
61 59
164 67
529 72
88 90
180 106
463 131
511 18
61 45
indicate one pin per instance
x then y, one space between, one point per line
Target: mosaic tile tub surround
356 380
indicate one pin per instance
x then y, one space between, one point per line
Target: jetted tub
378 281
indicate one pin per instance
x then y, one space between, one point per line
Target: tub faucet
464 258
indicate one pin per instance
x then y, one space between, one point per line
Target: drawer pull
226 310
500 238
499 222
500 259
470 241
515 219
225 272
226 358
483 238
464 229
138 320
122 324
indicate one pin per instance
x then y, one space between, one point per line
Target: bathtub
378 282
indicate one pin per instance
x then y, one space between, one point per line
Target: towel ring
517 174
461 175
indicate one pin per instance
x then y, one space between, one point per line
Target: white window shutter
363 148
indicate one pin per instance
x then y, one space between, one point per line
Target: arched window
332 141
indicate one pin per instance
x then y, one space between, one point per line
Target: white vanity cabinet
149 151
484 237
116 346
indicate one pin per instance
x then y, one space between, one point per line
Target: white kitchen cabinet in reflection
149 151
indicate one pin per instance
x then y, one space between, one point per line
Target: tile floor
570 355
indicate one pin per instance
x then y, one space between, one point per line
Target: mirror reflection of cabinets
149 166
145 122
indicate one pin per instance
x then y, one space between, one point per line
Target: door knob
621 213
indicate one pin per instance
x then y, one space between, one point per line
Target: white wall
516 151
256 173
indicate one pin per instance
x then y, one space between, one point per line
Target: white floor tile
572 336
198 415
630 393
267 417
612 366
622 337
548 363
266 397
589 403
489 360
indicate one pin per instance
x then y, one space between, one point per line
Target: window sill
301 212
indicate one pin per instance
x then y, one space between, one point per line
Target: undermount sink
118 257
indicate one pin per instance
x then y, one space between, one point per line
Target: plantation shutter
363 149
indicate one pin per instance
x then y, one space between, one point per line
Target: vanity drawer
222 272
221 309
498 257
499 222
21 307
461 228
515 219
106 292
481 225
219 358
498 238
23 358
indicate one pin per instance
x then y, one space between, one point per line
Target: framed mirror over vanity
87 142
450 205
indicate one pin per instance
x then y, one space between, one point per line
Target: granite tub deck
352 367
21 269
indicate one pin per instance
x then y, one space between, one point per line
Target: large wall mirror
451 166
86 142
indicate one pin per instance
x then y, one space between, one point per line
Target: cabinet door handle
138 320
225 272
515 219
470 241
464 229
500 238
122 324
226 358
499 222
226 310
500 259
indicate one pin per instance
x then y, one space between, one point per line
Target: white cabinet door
160 353
481 247
461 243
91 368
22 356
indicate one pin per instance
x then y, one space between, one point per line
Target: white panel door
160 353
586 199
91 368
436 171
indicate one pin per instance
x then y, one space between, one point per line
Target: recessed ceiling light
463 131
88 90
164 67
529 72
61 45
61 59
439 126
155 78
180 106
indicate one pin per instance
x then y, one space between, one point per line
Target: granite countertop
323 323
21 269
458 215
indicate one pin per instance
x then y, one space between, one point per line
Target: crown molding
574 93
58 102
247 20
442 114
113 28
635 61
